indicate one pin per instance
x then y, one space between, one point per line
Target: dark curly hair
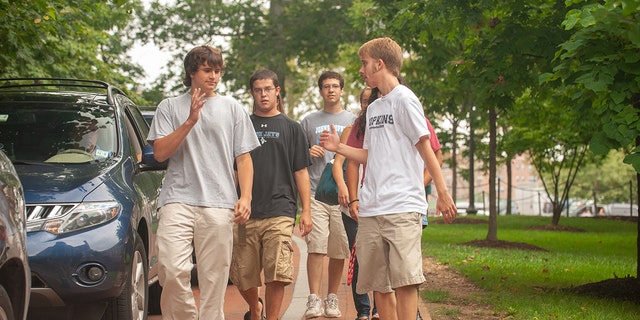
199 56
330 75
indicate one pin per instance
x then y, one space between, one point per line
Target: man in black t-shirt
264 243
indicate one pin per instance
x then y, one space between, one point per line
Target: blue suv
91 185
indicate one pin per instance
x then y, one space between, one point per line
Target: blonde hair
386 50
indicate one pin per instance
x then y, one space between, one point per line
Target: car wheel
132 303
6 311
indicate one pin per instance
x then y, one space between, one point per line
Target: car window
57 132
137 128
134 142
148 116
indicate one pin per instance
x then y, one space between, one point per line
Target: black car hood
60 183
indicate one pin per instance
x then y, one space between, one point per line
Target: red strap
352 262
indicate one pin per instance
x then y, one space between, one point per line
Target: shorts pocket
284 265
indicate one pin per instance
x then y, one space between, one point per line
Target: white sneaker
331 309
314 307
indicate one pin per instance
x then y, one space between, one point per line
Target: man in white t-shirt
392 199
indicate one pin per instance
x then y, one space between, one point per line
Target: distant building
528 196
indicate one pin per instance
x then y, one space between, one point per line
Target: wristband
351 202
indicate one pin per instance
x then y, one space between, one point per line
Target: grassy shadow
534 269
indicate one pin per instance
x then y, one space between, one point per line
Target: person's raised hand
197 102
330 140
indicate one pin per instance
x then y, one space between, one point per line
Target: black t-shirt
283 150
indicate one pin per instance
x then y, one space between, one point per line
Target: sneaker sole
312 316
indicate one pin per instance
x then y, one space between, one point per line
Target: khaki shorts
328 235
262 245
389 252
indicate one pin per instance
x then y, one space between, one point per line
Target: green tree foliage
605 180
599 69
292 38
484 54
433 33
555 138
68 39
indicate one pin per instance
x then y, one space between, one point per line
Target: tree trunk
556 216
471 209
558 204
492 234
454 160
638 221
638 224
595 202
509 184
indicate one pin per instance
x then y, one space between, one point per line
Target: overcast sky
152 59
149 56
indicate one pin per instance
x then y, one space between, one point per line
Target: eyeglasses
330 86
258 91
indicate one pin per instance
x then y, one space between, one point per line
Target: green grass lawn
527 284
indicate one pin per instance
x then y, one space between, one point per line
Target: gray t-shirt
200 172
313 125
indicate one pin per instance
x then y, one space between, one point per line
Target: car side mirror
149 162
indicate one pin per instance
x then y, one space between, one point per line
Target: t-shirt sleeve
301 159
305 128
245 138
413 117
433 138
161 125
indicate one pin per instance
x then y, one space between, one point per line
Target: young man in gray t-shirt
327 236
202 134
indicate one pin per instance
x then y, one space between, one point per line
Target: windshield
57 133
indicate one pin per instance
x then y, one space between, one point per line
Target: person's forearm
427 176
304 189
353 179
338 161
338 174
245 175
351 153
437 177
166 146
431 161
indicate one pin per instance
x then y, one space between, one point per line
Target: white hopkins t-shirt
394 179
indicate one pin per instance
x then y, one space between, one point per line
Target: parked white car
621 209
